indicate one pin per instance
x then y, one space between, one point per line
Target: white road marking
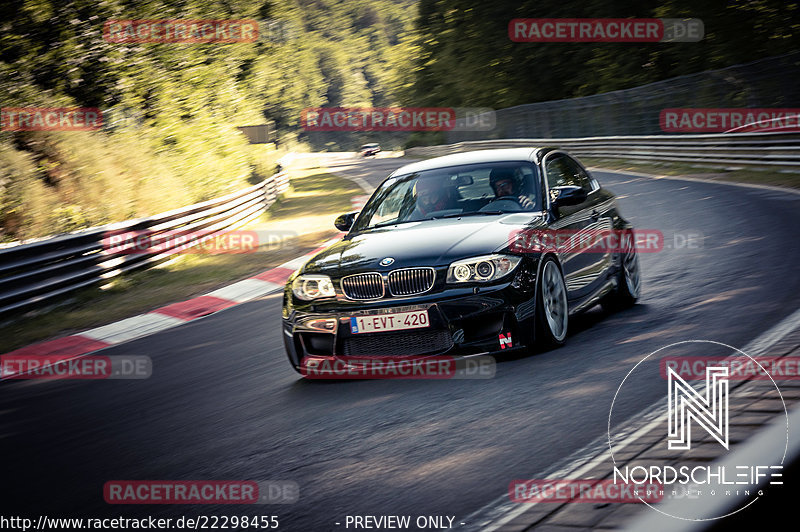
295 264
131 328
245 290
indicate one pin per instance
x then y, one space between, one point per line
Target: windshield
468 190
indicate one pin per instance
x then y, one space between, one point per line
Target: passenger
431 196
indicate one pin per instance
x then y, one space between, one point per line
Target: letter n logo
709 411
505 341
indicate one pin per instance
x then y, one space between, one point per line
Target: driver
506 182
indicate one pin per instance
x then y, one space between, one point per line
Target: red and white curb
163 318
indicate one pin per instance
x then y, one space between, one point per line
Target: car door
582 255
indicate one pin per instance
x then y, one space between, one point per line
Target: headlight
308 287
482 269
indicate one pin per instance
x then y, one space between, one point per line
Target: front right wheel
629 283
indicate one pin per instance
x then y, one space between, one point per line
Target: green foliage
172 110
424 138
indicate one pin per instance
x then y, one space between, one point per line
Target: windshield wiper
393 222
472 213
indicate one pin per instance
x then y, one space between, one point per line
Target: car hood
427 243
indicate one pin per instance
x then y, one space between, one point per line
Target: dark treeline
467 59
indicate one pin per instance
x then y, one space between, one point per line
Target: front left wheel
552 310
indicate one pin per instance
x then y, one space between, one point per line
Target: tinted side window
564 171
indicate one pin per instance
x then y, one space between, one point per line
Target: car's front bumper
462 323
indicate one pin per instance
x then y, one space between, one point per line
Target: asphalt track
223 403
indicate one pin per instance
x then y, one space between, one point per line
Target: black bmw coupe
465 254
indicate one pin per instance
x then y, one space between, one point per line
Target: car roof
471 157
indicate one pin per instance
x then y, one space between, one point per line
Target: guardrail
36 273
773 150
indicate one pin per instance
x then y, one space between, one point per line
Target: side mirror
569 195
345 221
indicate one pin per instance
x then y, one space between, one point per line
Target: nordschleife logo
709 410
709 414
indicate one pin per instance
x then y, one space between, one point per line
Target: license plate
398 321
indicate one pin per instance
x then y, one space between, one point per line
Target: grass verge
314 193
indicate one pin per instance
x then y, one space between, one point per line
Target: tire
552 308
629 283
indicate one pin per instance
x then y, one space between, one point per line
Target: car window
480 187
563 170
465 189
393 201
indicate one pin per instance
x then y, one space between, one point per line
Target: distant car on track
434 264
369 150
